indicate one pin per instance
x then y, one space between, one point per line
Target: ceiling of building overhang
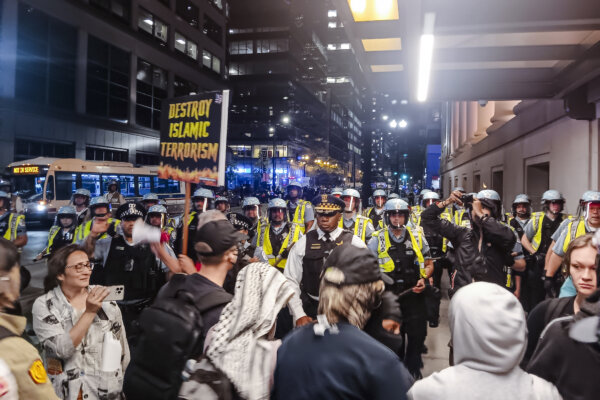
484 49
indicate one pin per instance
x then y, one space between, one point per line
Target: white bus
48 184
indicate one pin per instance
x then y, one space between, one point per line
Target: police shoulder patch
37 372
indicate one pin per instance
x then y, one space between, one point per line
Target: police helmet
221 199
351 193
431 195
552 195
157 209
424 191
276 203
250 202
393 206
521 199
491 199
379 193
99 201
82 192
203 193
113 182
488 194
393 196
590 197
337 191
150 197
67 210
294 185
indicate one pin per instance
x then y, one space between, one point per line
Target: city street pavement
437 338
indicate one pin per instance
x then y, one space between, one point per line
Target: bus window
144 185
166 186
66 183
50 188
91 182
126 184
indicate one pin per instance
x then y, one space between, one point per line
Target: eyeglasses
100 215
81 266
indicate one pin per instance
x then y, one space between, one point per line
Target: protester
489 335
73 323
22 373
334 358
581 261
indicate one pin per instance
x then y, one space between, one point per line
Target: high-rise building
86 78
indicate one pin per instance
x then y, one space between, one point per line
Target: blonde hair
352 303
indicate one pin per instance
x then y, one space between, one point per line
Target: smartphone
117 292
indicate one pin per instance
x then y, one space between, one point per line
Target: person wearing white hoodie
489 337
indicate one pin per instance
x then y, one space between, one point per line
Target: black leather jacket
470 263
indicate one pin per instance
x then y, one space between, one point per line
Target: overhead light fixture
384 117
373 10
403 101
285 119
180 41
386 44
387 68
425 57
149 21
394 101
393 124
403 124
358 6
271 129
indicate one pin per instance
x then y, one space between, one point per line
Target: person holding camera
482 252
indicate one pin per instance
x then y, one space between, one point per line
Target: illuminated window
186 46
151 25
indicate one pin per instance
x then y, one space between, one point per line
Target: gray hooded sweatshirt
489 336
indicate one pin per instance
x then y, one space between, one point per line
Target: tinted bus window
166 186
91 182
66 183
126 184
144 185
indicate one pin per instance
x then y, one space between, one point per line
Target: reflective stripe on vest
458 216
11 232
84 230
385 261
448 217
538 219
267 247
360 226
191 217
299 214
51 236
574 232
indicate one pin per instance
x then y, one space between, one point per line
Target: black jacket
469 262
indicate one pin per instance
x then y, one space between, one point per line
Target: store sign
26 170
193 138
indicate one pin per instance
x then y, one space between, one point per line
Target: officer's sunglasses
81 266
326 215
100 215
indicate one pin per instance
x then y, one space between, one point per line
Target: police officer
201 200
242 223
99 209
149 200
299 211
574 228
375 213
306 258
114 197
517 220
62 233
275 239
22 373
124 263
354 222
337 192
81 201
403 254
12 225
15 201
251 209
393 196
222 204
157 216
537 238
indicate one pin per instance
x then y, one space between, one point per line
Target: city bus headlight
41 207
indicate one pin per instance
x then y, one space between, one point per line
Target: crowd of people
303 299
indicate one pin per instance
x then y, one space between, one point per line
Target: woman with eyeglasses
71 321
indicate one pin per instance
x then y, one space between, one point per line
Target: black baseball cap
216 237
357 264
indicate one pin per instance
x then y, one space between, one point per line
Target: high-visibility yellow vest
448 217
416 209
537 218
51 236
298 217
360 226
84 230
265 242
384 243
13 222
415 218
574 231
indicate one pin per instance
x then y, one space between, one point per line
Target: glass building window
46 54
106 154
151 90
272 46
241 47
146 159
188 12
107 80
212 30
186 46
26 149
211 61
218 3
153 26
118 8
183 87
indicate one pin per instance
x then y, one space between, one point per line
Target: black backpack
170 334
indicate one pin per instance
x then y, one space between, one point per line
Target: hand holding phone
116 293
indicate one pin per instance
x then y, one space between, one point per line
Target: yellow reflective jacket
384 243
360 226
298 217
13 223
84 230
264 241
574 231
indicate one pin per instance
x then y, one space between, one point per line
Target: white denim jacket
73 368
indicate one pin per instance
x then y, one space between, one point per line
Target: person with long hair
73 323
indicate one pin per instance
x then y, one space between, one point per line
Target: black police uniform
376 218
406 274
62 239
192 227
436 245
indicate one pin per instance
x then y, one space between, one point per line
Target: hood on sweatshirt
488 328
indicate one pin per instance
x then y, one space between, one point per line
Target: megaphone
144 233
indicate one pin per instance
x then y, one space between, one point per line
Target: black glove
549 287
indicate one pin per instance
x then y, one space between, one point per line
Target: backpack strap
5 333
556 309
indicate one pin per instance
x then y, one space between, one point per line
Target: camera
466 199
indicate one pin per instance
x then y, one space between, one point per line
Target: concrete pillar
484 116
81 71
503 113
471 120
455 108
8 48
